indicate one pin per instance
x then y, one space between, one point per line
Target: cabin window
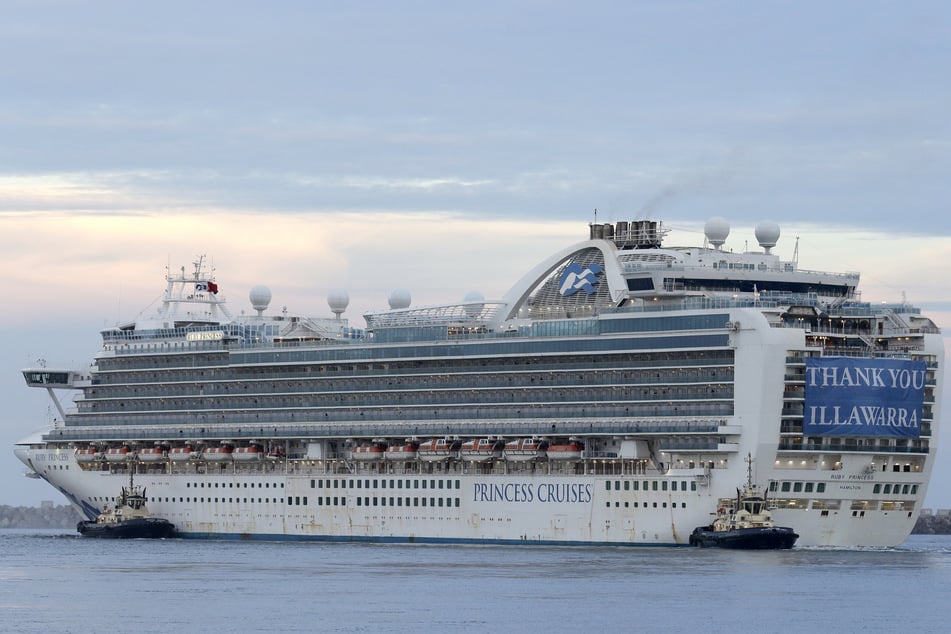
785 487
693 486
683 485
797 487
607 486
809 487
821 487
664 487
654 487
627 485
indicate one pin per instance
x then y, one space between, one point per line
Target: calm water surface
53 581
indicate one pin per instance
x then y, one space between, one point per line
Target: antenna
795 253
595 215
749 470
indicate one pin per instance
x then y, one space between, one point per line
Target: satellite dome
260 297
474 302
400 298
767 234
338 299
716 230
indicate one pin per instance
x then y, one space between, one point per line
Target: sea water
55 581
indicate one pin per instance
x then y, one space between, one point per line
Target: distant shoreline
65 516
45 516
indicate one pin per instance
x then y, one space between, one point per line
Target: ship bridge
56 379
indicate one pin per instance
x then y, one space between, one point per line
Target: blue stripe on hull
276 537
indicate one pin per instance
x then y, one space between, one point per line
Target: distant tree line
46 516
933 525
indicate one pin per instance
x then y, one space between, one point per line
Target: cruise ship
615 396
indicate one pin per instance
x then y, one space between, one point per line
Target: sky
445 147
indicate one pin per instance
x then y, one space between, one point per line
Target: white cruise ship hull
270 504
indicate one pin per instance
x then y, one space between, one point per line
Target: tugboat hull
142 528
766 538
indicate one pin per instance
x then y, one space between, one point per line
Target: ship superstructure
610 397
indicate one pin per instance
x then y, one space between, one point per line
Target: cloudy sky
446 147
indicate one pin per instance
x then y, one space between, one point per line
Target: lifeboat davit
438 449
218 454
276 453
481 449
152 454
182 454
407 451
572 450
525 449
369 453
118 454
90 454
247 454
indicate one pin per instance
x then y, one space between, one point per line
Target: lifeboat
525 449
247 454
572 450
407 451
90 454
481 449
438 449
276 453
152 454
218 454
369 452
118 454
181 454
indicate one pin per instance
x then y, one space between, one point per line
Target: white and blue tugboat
747 526
128 519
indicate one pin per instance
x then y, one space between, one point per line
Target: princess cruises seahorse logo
576 279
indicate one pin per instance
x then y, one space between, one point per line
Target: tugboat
749 525
128 519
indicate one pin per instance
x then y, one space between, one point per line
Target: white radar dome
260 297
338 299
716 230
400 298
767 234
474 301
